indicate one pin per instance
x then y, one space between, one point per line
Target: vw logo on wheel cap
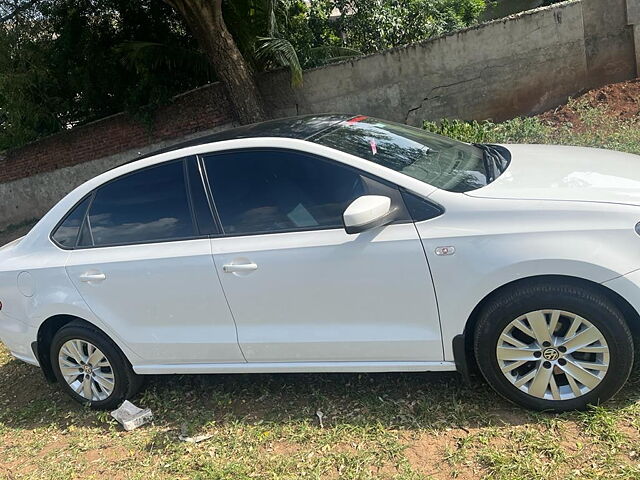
550 354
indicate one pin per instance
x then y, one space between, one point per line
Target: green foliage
68 62
280 33
518 130
261 28
373 25
65 62
280 52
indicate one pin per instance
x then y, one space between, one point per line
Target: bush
518 130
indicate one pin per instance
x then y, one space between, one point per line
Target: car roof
300 127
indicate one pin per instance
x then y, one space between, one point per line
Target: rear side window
67 232
151 205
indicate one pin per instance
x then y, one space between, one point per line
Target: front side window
268 191
151 205
439 161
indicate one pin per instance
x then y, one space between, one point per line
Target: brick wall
200 109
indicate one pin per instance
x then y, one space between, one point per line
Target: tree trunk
204 18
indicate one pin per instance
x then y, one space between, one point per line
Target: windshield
439 161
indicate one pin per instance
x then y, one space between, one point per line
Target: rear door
143 264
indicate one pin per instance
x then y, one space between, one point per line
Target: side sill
303 367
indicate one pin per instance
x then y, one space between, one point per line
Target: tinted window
273 191
146 206
433 159
67 233
201 207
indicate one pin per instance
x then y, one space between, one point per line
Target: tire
564 305
111 384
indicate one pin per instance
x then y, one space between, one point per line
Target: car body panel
330 296
562 173
165 300
498 241
628 287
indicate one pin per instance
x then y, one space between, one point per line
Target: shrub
518 130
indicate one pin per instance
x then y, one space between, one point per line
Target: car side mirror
367 212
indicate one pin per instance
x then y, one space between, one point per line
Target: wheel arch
47 331
463 344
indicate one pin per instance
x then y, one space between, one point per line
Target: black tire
578 299
127 383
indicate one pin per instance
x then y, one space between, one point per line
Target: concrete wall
609 41
519 65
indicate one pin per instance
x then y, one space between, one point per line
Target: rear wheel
91 368
554 346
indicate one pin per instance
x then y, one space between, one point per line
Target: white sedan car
337 244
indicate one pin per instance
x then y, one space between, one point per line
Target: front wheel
554 346
91 368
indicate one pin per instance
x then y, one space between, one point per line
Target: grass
400 426
388 426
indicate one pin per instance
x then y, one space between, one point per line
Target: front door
300 288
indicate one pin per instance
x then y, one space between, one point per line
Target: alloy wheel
86 370
553 354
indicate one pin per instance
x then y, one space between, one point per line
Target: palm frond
280 52
143 55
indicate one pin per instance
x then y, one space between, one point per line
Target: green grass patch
589 126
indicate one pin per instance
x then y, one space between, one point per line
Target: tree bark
204 18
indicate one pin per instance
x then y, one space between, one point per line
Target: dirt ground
620 100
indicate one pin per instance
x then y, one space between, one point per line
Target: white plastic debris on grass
320 416
196 439
131 417
184 436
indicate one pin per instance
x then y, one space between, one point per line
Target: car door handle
240 267
92 277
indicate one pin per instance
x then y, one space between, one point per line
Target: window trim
206 184
436 206
187 186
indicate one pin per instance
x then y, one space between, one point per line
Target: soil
621 100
